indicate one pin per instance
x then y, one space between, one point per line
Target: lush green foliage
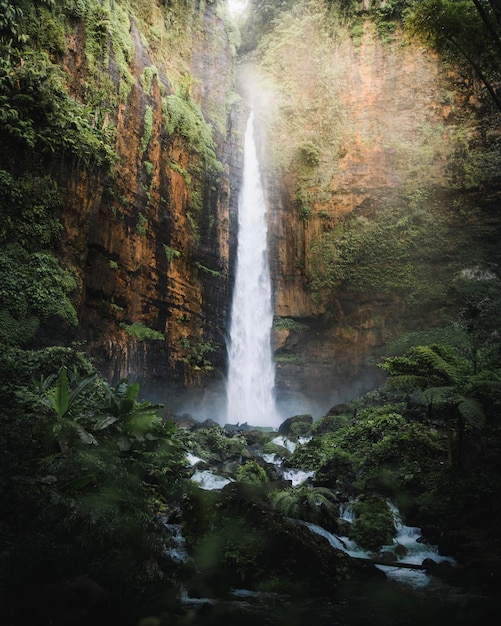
466 31
213 444
378 449
86 473
449 381
373 526
185 118
378 254
33 287
311 504
252 473
142 332
37 114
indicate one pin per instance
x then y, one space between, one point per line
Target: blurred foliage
76 501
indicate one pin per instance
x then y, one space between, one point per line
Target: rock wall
381 126
151 239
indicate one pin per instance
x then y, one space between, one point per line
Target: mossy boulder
373 526
236 538
298 425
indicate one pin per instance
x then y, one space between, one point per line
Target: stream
405 597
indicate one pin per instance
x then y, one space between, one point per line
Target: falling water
251 373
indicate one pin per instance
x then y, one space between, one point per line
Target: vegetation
373 525
142 332
466 32
91 476
86 471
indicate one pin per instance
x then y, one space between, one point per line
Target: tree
467 29
448 381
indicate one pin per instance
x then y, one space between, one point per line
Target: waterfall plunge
251 373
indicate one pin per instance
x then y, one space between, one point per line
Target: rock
296 425
400 551
207 424
186 422
339 409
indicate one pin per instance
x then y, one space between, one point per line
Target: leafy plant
312 504
251 473
142 332
373 526
448 381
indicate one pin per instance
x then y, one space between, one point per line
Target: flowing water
251 372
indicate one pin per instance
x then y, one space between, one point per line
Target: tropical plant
132 421
62 399
311 504
448 381
251 473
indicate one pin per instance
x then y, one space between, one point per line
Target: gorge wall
150 240
380 161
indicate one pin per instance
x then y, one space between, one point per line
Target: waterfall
251 372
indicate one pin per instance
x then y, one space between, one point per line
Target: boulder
298 425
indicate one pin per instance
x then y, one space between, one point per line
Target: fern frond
437 395
431 356
408 381
472 411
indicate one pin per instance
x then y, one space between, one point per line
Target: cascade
251 372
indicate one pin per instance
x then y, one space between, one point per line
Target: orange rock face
396 122
150 239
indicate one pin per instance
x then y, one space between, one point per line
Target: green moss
171 253
251 473
146 78
377 254
46 31
185 118
207 270
78 8
142 332
287 358
37 114
288 323
108 32
35 285
142 222
373 525
147 127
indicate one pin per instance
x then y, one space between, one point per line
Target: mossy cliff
124 108
122 129
381 162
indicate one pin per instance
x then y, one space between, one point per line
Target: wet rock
339 409
297 425
400 551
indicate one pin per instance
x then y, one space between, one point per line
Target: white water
251 372
416 551
209 481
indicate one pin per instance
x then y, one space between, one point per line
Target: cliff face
380 167
150 240
372 202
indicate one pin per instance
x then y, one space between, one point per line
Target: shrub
373 525
251 473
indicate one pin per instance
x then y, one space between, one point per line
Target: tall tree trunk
486 19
